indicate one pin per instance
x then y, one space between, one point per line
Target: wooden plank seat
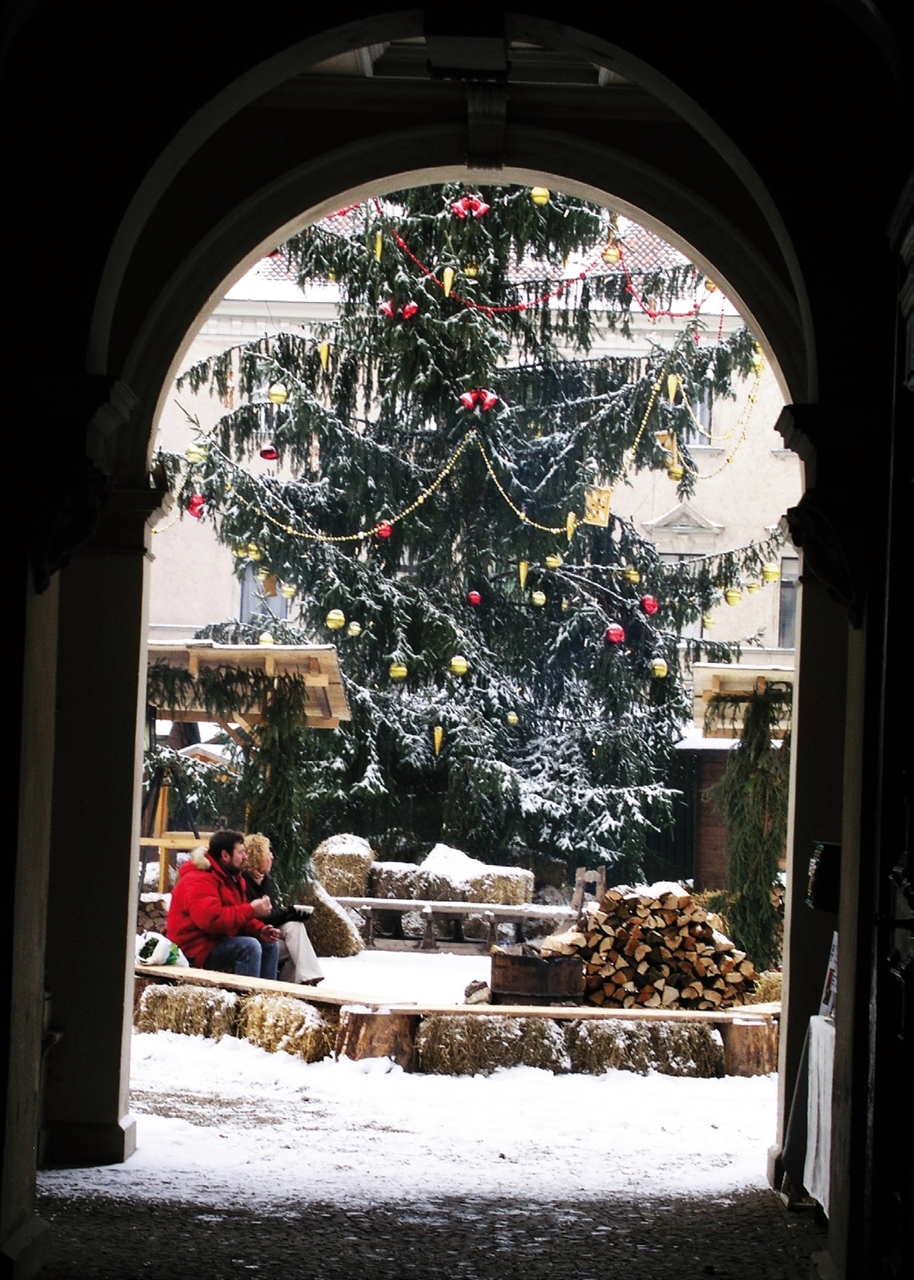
749 1032
491 912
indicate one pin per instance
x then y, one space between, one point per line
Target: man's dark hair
224 842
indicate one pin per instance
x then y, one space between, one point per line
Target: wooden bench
749 1032
491 912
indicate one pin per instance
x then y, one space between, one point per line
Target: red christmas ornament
469 204
468 399
487 399
474 598
409 310
196 506
614 633
384 529
649 605
387 309
269 452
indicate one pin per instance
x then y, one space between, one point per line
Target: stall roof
316 664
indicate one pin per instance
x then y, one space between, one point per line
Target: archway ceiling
348 126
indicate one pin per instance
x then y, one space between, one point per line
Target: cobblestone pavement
745 1237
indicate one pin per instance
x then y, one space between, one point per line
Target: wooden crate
520 979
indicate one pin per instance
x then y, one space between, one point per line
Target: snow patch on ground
224 1122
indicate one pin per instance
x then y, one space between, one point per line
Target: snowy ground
224 1122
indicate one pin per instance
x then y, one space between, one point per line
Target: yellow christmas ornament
630 574
770 572
459 665
753 588
512 718
554 561
335 619
324 352
659 669
672 386
710 285
538 598
195 453
254 552
287 591
540 195
571 523
733 596
597 504
278 394
264 575
675 472
471 270
378 245
611 254
447 280
398 671
354 629
522 570
265 638
437 738
707 622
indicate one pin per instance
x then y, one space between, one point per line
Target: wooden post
428 938
364 1033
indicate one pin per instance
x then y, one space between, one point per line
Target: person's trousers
247 957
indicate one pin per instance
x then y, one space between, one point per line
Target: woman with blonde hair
297 961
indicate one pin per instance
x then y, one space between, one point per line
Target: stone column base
25 1251
82 1144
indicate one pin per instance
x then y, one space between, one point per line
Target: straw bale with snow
330 928
673 1049
282 1024
475 1045
342 864
189 1011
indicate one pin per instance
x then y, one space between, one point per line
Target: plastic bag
155 948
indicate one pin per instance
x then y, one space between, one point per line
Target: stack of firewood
656 949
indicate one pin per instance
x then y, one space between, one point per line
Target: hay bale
190 1011
330 929
448 875
342 864
509 886
458 1045
282 1024
393 880
445 875
672 1049
767 989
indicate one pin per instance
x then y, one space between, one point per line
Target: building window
787 608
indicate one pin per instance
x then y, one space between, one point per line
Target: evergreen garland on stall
752 797
434 451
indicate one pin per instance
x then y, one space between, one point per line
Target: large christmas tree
445 451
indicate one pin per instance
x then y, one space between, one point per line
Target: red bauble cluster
384 529
485 399
649 605
615 634
474 598
406 312
196 506
470 204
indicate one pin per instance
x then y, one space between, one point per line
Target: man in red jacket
211 919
